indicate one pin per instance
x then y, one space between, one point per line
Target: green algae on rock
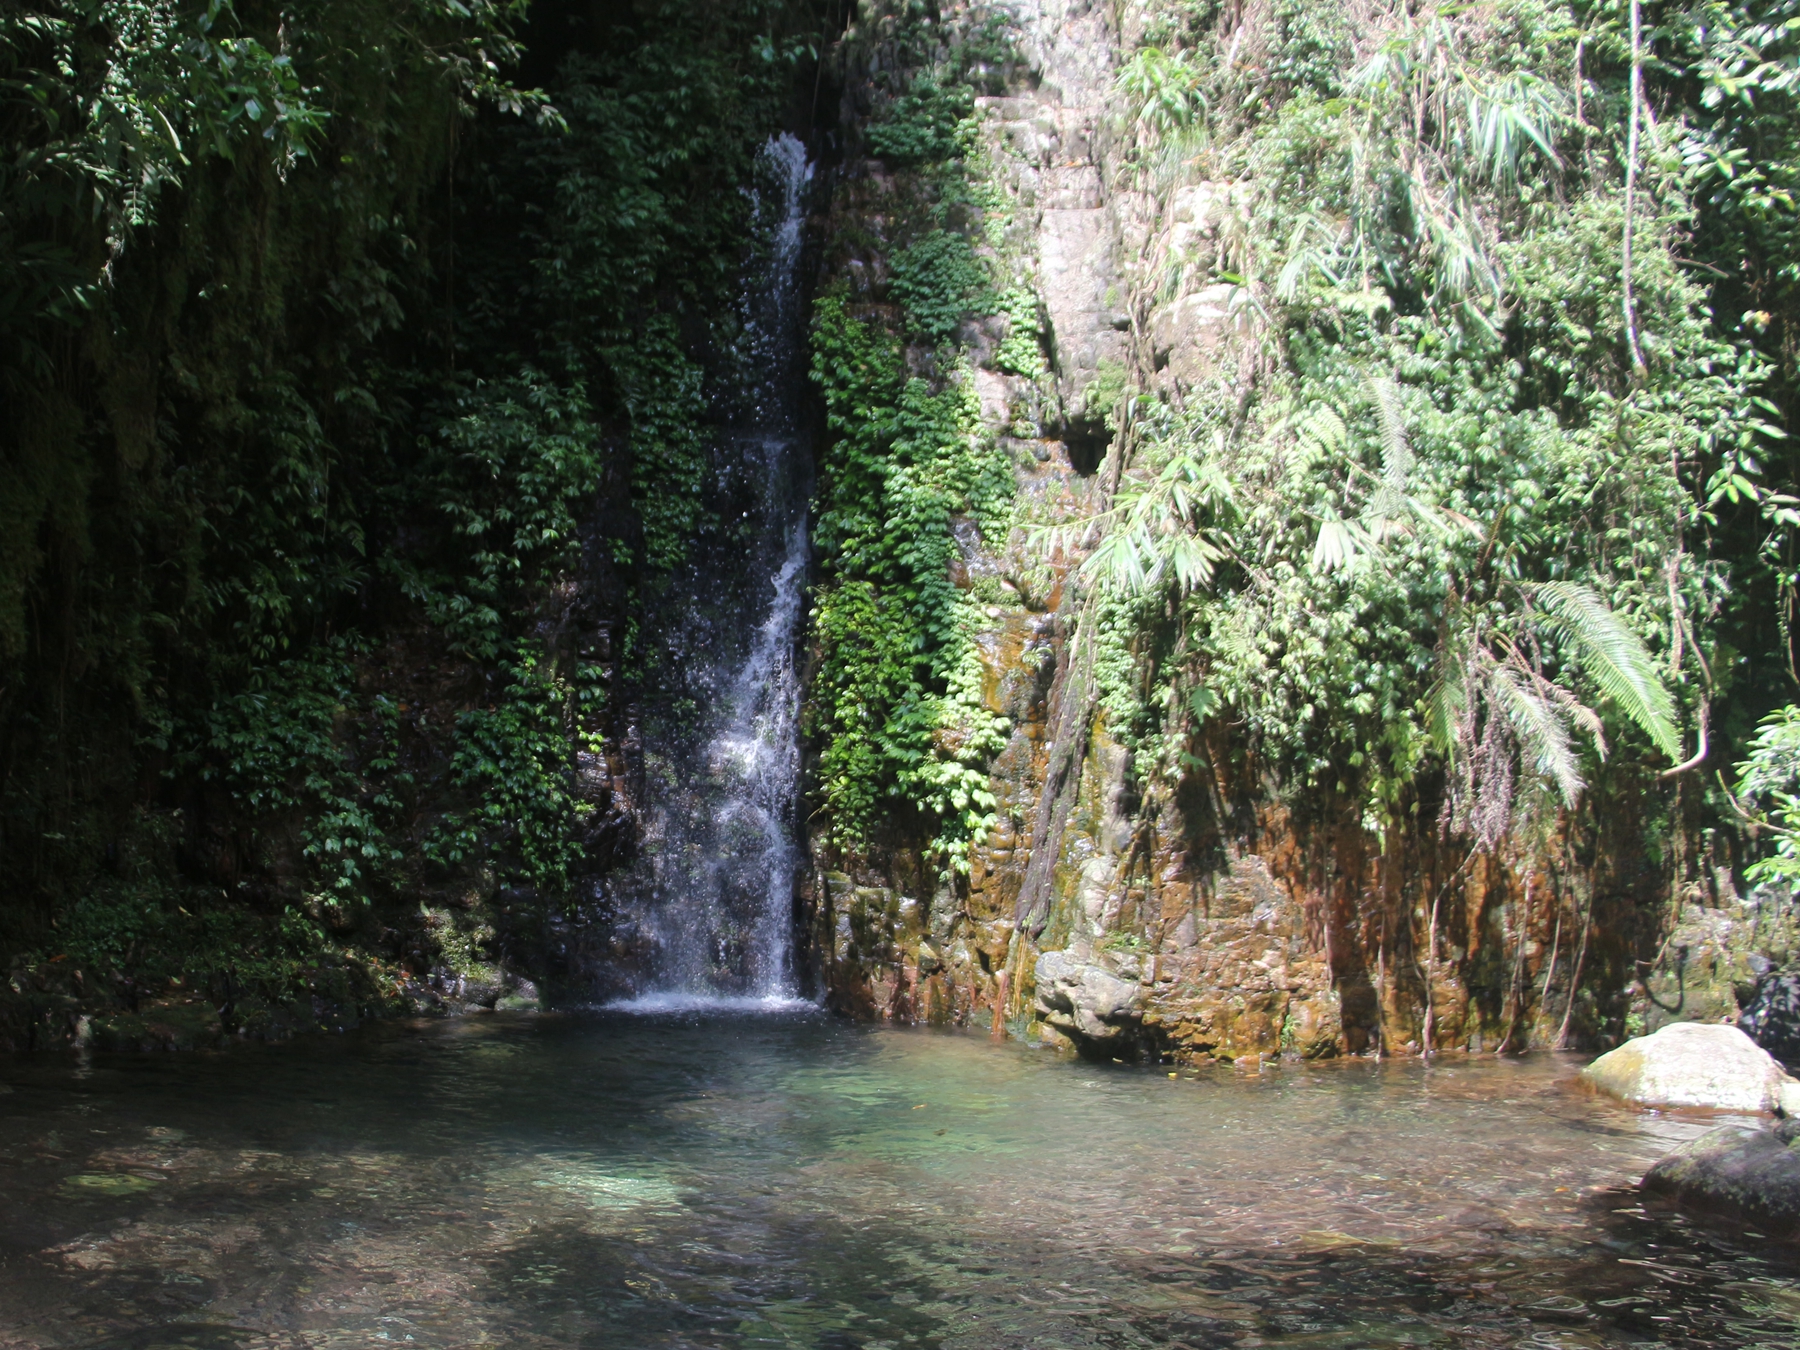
1751 1176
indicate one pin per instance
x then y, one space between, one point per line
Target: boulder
1089 1004
1751 1176
1695 1064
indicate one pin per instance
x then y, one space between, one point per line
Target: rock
1096 1009
1717 958
1771 1017
929 961
1695 1064
1752 1176
1187 334
161 1026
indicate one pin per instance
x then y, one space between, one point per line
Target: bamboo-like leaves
1161 530
1166 88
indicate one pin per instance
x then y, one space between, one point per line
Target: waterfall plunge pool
675 1179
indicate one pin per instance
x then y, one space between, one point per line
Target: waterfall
709 913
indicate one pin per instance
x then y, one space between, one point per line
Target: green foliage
1021 351
140 929
924 125
1313 44
512 467
897 701
939 282
1768 794
107 105
1449 530
1614 659
662 389
519 755
288 746
1166 89
295 418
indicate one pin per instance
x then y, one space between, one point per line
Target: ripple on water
690 1177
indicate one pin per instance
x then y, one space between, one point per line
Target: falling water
713 904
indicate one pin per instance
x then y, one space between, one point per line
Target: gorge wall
1217 911
1279 581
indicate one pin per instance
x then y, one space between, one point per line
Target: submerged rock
1753 1176
1695 1064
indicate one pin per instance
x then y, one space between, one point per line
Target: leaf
1335 547
1615 658
1542 733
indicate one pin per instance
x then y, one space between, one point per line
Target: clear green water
738 1181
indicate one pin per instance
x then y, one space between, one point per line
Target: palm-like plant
1494 711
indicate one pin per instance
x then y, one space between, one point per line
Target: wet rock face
1719 959
1771 1017
1694 1064
1237 977
1753 1177
1097 1010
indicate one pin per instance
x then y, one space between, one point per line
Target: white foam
677 1002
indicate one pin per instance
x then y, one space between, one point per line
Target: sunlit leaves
1614 658
1164 530
1166 89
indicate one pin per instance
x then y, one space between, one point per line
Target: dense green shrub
939 282
897 700
923 125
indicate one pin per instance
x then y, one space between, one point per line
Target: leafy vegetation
896 704
354 399
897 701
1469 525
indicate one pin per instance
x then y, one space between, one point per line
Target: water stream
788 1180
712 905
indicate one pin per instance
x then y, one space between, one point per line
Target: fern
1535 720
1614 657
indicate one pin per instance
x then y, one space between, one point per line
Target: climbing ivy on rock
897 701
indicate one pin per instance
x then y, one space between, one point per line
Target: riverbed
752 1178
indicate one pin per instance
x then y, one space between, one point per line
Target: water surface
691 1179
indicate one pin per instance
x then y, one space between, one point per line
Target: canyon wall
1219 914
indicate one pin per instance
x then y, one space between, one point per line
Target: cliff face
1217 914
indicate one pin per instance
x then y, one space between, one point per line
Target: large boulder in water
1752 1176
1695 1064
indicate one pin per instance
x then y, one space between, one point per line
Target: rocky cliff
1213 913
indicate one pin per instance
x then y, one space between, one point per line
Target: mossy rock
1753 1177
98 1184
176 1026
1694 1064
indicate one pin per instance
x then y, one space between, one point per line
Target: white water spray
721 835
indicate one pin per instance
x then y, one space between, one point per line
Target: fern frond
1537 723
1336 547
1396 449
1615 658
